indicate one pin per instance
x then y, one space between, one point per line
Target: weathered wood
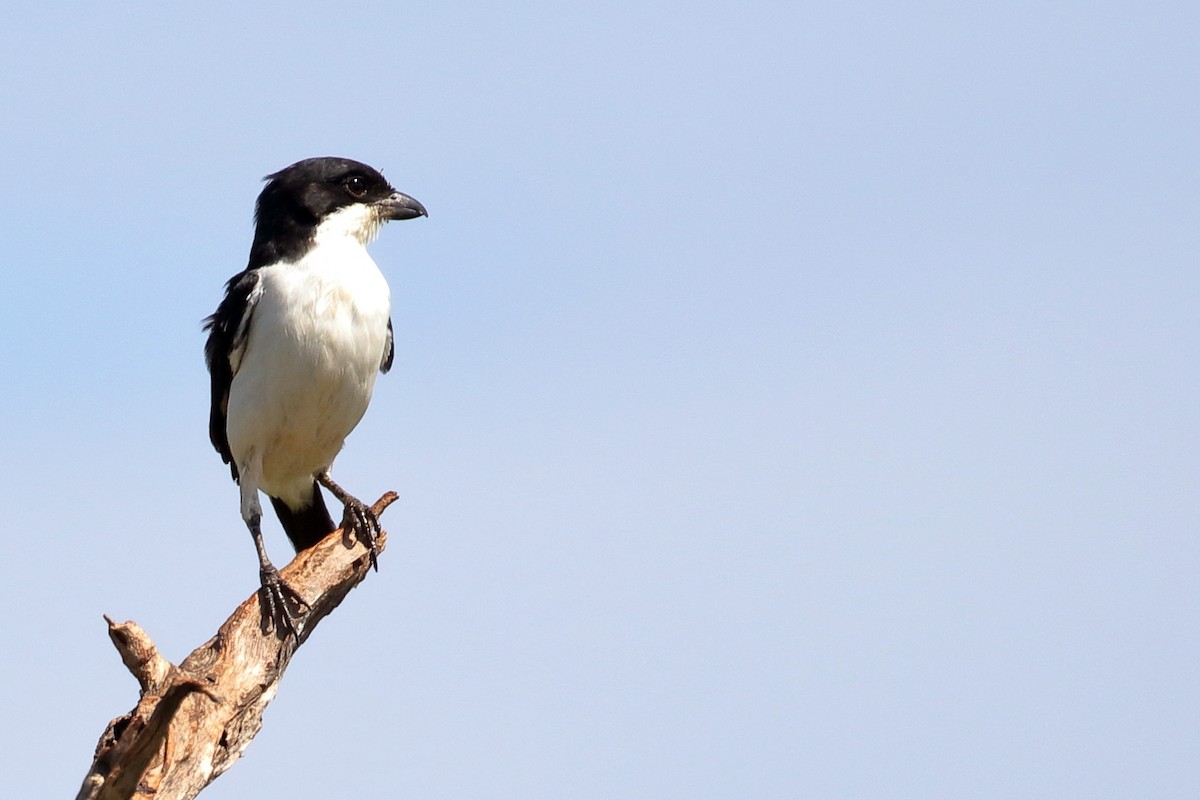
194 720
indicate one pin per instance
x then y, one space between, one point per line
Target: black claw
362 520
357 517
273 598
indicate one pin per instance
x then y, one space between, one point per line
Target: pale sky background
792 400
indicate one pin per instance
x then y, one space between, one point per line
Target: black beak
400 206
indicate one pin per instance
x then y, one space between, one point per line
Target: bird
294 348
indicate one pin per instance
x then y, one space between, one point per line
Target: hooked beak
400 206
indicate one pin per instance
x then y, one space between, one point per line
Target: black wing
227 332
389 351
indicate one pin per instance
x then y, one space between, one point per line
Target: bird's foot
359 517
273 599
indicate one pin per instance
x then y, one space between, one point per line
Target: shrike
294 347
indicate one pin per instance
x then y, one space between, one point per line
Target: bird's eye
356 186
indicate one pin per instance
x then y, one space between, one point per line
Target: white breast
315 344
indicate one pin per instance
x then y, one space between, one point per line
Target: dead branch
194 720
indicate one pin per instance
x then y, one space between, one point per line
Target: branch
194 720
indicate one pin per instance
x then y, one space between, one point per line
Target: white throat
360 222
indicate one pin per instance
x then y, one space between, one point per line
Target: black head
297 199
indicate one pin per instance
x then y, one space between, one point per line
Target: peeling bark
194 720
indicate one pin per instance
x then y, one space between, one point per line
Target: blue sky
791 400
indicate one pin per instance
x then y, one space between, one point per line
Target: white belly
314 347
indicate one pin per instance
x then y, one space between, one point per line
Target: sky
791 400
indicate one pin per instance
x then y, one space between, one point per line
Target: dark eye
356 186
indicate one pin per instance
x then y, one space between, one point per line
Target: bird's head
326 196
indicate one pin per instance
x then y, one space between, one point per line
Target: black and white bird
294 347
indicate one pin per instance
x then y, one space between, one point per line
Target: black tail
305 526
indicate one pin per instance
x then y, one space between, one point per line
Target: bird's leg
273 594
356 516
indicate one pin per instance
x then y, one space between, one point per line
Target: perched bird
294 347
